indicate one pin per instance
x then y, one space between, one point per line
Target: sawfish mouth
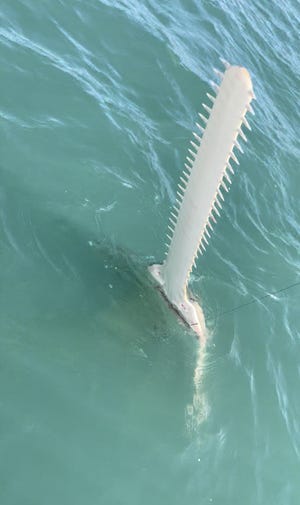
188 310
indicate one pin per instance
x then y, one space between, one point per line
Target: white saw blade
201 189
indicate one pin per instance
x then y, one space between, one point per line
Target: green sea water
105 397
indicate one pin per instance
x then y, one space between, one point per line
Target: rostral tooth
197 137
218 73
208 109
246 123
194 145
233 156
204 119
214 86
241 133
200 127
238 146
225 63
212 98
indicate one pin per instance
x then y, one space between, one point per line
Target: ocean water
105 397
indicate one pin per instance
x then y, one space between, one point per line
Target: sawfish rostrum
203 184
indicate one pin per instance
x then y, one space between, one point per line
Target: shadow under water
69 291
92 358
62 273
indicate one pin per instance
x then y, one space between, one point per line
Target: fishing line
261 298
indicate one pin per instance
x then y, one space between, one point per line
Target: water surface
105 398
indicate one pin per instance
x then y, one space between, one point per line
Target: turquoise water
105 398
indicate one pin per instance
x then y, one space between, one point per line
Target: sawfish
205 180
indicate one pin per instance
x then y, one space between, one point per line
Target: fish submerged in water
207 176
